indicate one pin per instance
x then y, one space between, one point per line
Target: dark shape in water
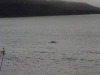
53 42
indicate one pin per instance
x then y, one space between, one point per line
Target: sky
93 2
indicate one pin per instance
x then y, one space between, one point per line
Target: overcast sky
94 2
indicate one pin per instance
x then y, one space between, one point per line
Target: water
29 50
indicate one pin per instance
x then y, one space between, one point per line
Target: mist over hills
45 8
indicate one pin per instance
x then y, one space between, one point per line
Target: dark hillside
45 8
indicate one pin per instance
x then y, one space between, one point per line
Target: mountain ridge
46 8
